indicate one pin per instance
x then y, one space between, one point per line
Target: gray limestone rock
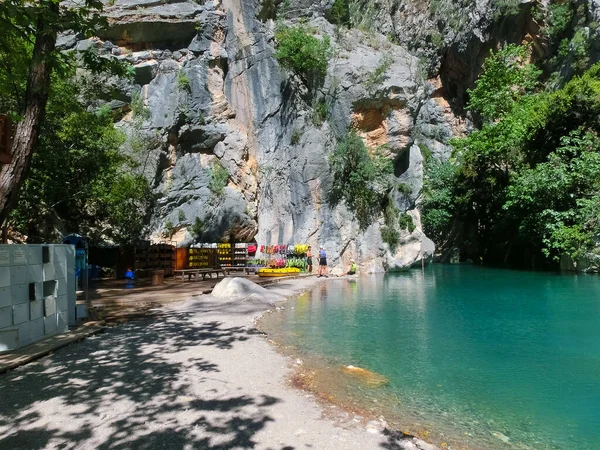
145 72
224 99
66 41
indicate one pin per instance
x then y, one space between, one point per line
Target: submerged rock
372 379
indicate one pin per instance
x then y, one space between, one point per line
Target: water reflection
490 353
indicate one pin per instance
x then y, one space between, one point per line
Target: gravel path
198 376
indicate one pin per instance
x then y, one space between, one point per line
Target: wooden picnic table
197 272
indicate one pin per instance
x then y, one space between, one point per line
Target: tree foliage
525 186
79 179
299 51
339 13
360 180
28 58
506 77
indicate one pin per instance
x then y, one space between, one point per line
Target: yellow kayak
278 272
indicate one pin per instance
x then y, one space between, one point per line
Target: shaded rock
167 24
145 72
66 41
86 44
201 138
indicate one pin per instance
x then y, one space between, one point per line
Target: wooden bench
197 272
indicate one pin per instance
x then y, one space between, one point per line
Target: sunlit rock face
208 95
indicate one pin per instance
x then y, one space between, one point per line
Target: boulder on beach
244 289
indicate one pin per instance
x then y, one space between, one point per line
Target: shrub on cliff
299 51
359 179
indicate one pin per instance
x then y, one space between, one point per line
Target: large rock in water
220 100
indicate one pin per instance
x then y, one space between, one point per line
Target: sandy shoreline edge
317 424
197 374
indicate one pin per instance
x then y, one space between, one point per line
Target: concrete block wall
37 292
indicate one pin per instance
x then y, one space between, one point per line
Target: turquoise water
476 357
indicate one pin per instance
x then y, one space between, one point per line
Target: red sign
5 139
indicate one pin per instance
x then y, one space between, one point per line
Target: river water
473 357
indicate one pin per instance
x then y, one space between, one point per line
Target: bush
360 180
379 74
219 177
303 54
319 113
198 229
339 14
391 237
405 222
296 135
505 79
183 81
138 108
404 189
169 229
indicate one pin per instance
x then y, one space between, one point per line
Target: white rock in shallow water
500 436
243 289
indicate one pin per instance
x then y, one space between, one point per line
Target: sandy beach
196 375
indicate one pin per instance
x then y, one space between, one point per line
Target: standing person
322 263
309 259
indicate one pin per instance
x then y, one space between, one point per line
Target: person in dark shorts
309 259
322 263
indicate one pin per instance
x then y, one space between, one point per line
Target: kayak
291 271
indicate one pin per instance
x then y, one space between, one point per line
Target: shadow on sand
139 386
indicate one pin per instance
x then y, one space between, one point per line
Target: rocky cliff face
208 94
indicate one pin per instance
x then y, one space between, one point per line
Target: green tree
79 180
522 187
506 77
28 43
302 53
339 13
360 180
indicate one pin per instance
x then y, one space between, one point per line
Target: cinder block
81 312
62 303
20 313
50 288
4 255
62 322
34 254
61 288
18 255
49 306
60 252
9 339
34 274
19 293
25 334
50 324
36 328
49 272
6 317
60 270
36 310
5 297
39 291
4 276
18 275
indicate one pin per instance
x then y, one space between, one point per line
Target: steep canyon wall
208 94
